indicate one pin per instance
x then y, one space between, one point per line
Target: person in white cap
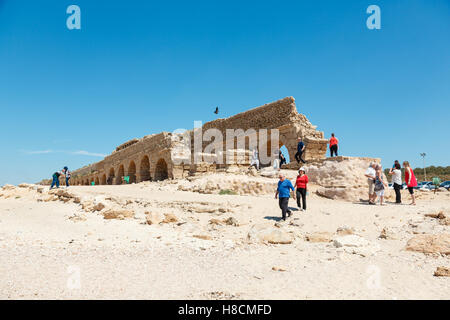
301 185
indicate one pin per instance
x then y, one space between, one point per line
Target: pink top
413 182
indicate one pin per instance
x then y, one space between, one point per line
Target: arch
120 174
111 176
132 171
104 179
97 181
161 172
285 152
86 182
144 169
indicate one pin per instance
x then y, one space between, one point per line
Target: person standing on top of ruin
282 159
301 185
255 158
396 174
380 184
410 180
283 193
67 174
371 176
333 145
300 149
55 180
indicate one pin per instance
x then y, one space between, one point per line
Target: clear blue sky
141 67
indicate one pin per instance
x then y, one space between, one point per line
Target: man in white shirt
371 176
255 159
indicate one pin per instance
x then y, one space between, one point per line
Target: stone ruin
165 155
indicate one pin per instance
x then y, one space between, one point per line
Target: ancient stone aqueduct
162 156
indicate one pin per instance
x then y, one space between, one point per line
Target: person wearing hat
301 185
67 175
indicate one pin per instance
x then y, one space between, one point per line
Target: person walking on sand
396 174
283 193
410 180
371 176
56 179
333 145
301 185
300 149
380 184
67 174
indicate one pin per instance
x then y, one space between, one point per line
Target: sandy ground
55 250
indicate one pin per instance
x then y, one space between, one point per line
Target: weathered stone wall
281 115
166 155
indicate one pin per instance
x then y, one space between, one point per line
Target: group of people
284 190
377 185
279 159
55 182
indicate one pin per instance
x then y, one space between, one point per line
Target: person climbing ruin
55 180
255 159
67 175
283 193
410 180
333 145
371 176
396 174
380 184
301 185
300 149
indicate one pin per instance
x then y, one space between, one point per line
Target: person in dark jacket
300 149
55 179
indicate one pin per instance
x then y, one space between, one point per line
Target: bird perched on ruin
217 110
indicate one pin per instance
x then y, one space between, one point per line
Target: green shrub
227 192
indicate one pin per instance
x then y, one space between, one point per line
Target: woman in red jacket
301 185
410 180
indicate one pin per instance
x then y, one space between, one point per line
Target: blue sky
141 67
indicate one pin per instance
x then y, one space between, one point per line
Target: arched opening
97 181
120 174
86 182
161 172
111 176
132 172
284 151
104 179
144 169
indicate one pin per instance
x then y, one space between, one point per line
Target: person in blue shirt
300 148
283 193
